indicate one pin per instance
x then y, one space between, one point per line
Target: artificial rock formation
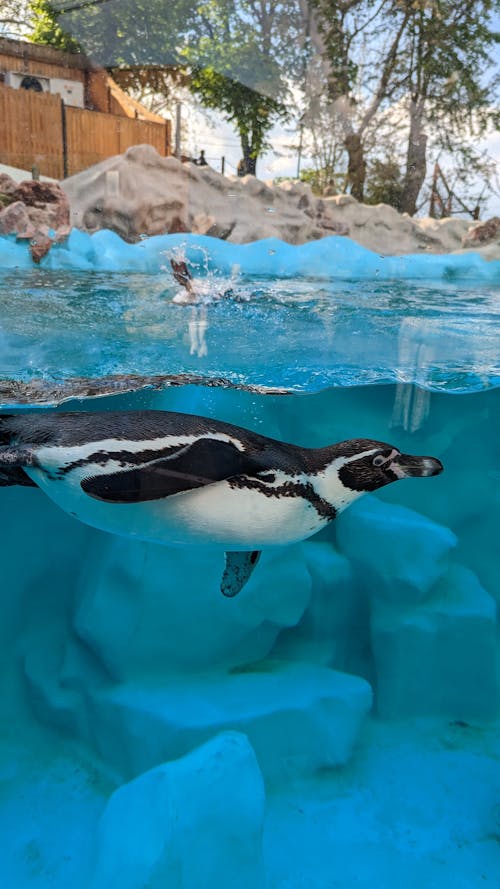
141 193
484 236
193 822
34 211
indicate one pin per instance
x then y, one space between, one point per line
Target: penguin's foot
239 566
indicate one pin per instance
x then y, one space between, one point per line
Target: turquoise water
300 334
362 665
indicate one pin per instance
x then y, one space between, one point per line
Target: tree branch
387 70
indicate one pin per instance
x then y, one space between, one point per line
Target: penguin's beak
408 466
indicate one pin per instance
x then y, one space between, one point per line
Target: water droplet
271 252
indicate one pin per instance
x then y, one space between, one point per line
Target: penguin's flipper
196 465
239 567
182 274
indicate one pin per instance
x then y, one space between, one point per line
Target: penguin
195 291
182 479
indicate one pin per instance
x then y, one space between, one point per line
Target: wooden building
61 114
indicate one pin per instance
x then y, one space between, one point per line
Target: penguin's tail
12 458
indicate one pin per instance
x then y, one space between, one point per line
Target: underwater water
336 723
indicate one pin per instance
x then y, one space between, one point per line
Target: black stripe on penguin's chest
304 490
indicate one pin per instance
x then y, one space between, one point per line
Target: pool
336 723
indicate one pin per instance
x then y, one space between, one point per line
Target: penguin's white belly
217 515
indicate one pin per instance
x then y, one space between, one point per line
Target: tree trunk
251 164
248 163
416 165
356 168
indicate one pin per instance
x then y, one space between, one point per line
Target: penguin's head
369 465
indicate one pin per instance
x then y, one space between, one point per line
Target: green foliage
118 33
449 58
384 183
47 30
323 178
238 68
252 113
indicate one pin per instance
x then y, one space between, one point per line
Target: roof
24 49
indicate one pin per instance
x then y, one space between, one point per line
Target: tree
233 53
47 28
15 17
360 42
450 96
425 59
116 33
241 64
384 183
321 134
246 56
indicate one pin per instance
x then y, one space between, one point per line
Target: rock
400 553
62 234
54 702
48 197
330 626
153 631
299 718
195 822
482 233
40 245
39 212
141 193
438 658
7 184
14 219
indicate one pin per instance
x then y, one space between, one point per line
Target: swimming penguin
179 479
195 290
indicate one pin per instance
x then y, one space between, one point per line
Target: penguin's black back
73 428
76 428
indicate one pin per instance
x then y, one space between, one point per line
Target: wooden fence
38 129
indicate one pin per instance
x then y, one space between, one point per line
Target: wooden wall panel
31 131
138 132
91 137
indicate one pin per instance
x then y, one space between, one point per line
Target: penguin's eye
379 460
